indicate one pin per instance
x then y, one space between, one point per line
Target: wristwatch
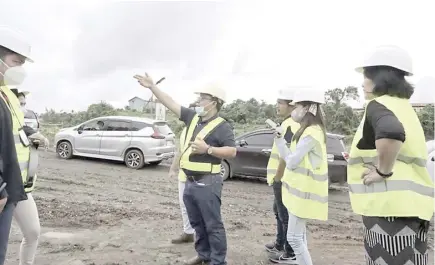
384 175
210 150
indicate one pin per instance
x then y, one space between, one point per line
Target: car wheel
64 150
225 170
155 163
134 159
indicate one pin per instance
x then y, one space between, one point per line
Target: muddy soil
96 212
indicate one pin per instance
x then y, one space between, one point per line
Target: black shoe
282 258
273 248
195 261
183 238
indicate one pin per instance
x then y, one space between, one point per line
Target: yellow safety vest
181 175
185 162
409 191
23 152
273 163
305 189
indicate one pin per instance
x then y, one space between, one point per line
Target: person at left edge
210 139
26 213
14 151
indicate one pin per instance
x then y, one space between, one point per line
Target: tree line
243 115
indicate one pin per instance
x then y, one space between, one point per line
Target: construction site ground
96 212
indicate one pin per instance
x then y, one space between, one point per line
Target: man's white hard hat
15 42
309 94
388 55
285 94
213 89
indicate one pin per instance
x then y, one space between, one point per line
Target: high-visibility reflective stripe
373 160
200 167
17 139
392 185
305 195
271 171
274 156
24 165
307 172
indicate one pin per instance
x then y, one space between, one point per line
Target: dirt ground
95 212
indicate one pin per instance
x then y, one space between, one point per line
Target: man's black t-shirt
222 135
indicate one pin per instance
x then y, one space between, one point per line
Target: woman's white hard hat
15 42
309 94
388 55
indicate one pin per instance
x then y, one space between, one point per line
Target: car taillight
345 155
157 135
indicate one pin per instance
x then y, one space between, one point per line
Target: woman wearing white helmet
305 180
389 184
14 146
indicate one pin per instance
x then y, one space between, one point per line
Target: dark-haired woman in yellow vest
389 183
305 180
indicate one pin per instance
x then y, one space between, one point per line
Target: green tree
426 116
340 117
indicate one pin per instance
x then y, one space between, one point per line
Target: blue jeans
202 198
297 237
281 215
5 227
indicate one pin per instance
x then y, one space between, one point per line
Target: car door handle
266 151
98 135
127 135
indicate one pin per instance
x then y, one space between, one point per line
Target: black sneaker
282 258
273 248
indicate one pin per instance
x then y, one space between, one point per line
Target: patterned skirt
395 241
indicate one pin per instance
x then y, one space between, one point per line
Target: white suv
134 140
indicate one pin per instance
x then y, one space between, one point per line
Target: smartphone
271 123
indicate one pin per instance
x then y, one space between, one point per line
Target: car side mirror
80 129
243 143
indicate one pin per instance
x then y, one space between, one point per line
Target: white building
140 104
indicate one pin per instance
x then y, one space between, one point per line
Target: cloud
87 51
176 35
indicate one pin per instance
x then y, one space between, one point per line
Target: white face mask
23 109
13 76
201 110
298 114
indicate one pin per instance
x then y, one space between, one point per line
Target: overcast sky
87 51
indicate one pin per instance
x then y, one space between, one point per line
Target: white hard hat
213 89
286 94
388 55
15 42
309 94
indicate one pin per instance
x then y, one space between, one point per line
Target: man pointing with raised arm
209 139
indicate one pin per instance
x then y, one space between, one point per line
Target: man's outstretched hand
145 81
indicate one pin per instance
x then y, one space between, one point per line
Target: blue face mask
200 110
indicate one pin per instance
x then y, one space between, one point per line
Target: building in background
140 104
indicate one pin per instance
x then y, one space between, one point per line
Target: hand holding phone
271 123
278 129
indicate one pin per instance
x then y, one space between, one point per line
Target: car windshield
29 115
163 128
